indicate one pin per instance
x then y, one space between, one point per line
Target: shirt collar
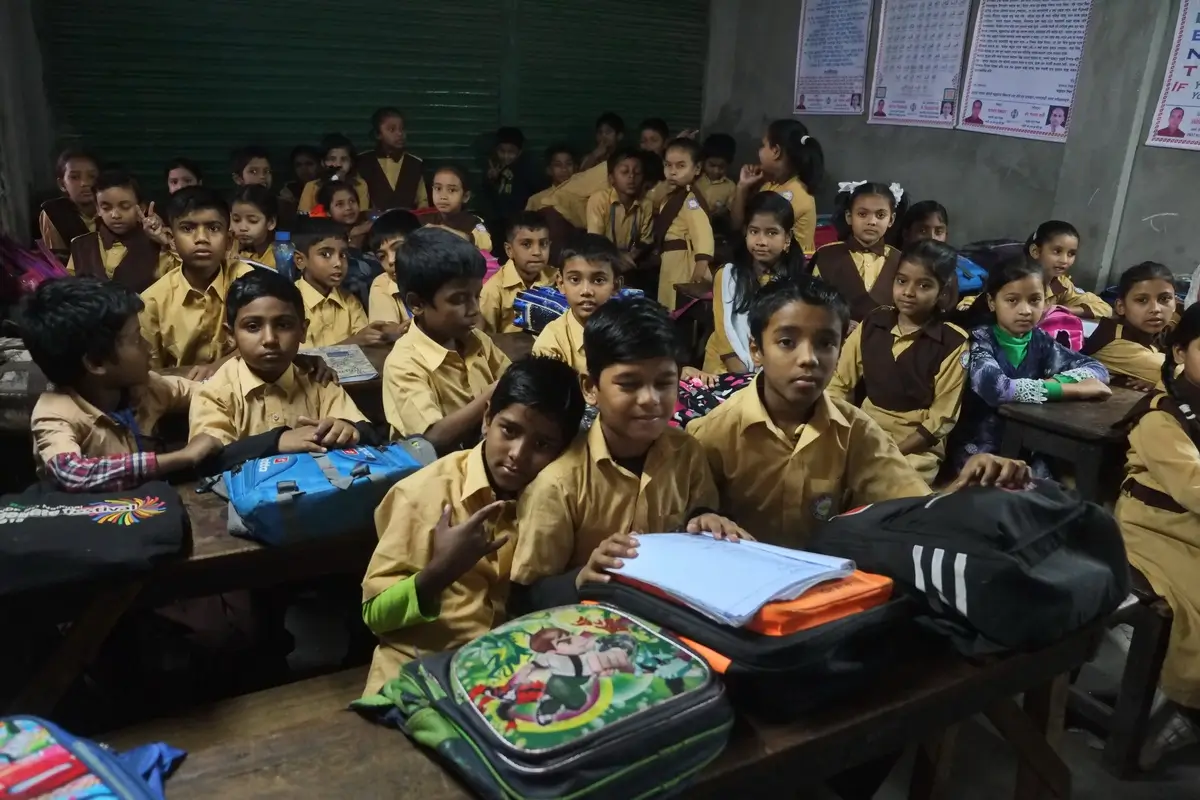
510 278
248 381
313 298
429 352
754 412
220 282
475 478
890 322
575 331
855 246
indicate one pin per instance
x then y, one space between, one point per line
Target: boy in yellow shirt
386 299
589 278
439 576
621 213
560 165
335 316
252 167
527 245
715 185
439 376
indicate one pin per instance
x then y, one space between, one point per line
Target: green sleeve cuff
395 608
1054 389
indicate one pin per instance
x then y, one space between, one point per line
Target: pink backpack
1064 327
493 266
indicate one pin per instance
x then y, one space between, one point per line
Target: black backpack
992 569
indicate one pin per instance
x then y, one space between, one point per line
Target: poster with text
918 61
831 56
1021 73
1176 120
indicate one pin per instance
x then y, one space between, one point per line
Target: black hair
70 154
379 116
653 171
309 230
526 220
844 202
390 225
543 384
612 120
791 262
656 124
627 329
694 151
1182 337
337 141
1145 271
624 153
560 147
808 290
329 188
261 283
191 199
720 145
510 135
919 211
873 189
243 156
259 196
431 257
185 163
304 150
66 320
1012 269
457 170
942 262
594 249
805 158
112 178
1049 230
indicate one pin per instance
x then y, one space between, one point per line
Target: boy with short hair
653 134
631 471
621 213
386 300
438 378
527 245
259 399
682 230
252 165
610 129
715 185
181 172
130 244
335 316
96 429
306 166
560 165
508 183
590 277
439 575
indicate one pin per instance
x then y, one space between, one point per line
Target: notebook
347 360
728 581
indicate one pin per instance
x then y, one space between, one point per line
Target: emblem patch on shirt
822 507
965 359
692 203
480 229
786 195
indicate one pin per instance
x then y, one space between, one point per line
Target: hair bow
849 186
897 192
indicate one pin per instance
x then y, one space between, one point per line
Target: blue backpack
290 498
971 277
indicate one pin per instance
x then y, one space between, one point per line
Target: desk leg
1036 733
77 649
931 770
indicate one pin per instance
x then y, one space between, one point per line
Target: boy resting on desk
95 430
439 575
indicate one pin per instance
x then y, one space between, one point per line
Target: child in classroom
610 129
682 231
863 268
450 197
74 214
334 314
527 245
253 216
96 430
130 244
560 166
508 184
631 471
181 172
653 135
386 301
258 403
337 163
766 252
306 166
339 202
791 163
252 165
441 373
621 212
1054 245
1014 361
1129 344
714 184
590 277
927 219
392 176
1159 512
908 360
439 575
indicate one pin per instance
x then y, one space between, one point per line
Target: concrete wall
994 186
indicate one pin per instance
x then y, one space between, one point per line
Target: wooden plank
932 768
1085 420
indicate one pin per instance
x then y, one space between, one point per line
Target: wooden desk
1080 433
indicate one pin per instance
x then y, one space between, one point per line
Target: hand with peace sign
456 549
154 226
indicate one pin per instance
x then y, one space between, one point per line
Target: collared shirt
718 195
868 261
332 318
185 325
563 339
623 227
385 304
391 169
804 207
405 522
780 485
585 496
113 253
1063 292
308 197
423 381
496 299
235 403
266 257
540 200
50 235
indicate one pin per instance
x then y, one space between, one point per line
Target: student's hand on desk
718 526
201 372
457 548
985 469
750 176
315 367
606 556
330 433
1090 389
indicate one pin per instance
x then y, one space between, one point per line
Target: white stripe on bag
918 573
960 583
935 573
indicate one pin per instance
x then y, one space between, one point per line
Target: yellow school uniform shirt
692 227
624 227
869 265
235 403
585 496
113 256
308 197
50 235
384 303
937 421
658 192
184 325
540 200
1062 292
405 522
480 236
332 318
1125 357
423 381
804 207
496 299
781 485
1165 545
718 195
266 257
570 198
563 339
63 422
391 170
718 345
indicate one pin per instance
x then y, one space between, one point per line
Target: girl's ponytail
804 153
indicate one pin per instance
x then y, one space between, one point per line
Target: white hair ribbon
849 186
897 192
804 139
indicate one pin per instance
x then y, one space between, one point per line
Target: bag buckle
287 487
360 471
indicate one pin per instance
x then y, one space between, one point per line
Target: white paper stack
726 581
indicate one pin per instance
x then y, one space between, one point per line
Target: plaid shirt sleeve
76 473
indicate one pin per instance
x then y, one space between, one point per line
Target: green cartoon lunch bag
580 701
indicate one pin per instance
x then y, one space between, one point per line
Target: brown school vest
137 268
903 383
1181 409
666 218
1108 330
458 220
65 217
838 270
383 196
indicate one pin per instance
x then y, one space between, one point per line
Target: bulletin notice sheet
918 62
1176 119
1022 68
831 56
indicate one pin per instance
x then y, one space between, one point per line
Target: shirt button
275 418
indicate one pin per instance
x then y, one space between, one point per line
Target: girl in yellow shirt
791 164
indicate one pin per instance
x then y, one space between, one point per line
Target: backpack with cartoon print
580 701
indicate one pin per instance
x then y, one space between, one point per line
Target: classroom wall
1101 178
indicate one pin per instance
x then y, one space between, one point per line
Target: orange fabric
719 663
823 604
